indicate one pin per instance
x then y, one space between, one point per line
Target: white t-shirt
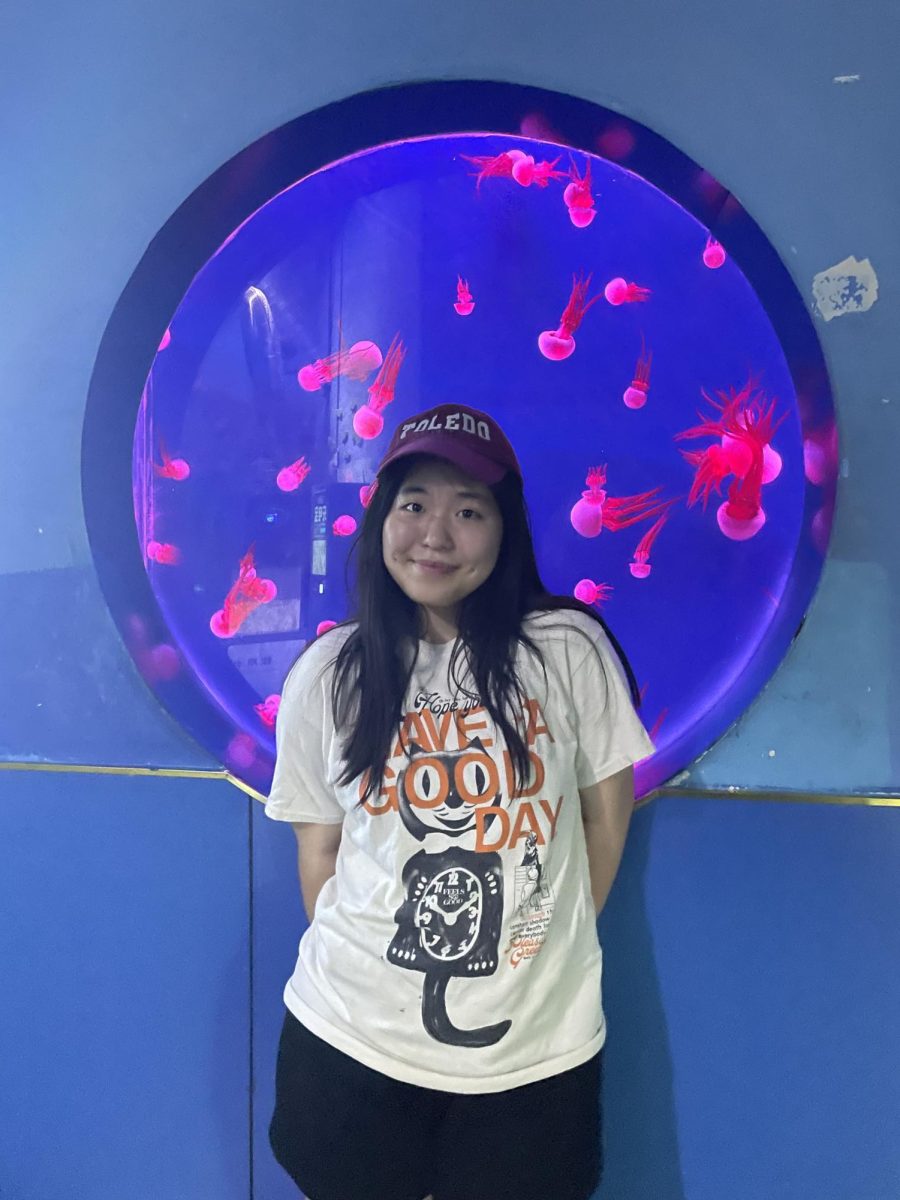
456 945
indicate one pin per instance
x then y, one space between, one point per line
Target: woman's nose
437 532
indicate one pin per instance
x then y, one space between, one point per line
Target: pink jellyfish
596 509
498 166
172 468
636 395
240 753
166 339
589 592
743 432
290 478
246 595
640 567
366 492
164 553
713 253
557 344
356 363
741 516
324 626
578 198
514 164
367 420
464 302
618 291
268 710
344 526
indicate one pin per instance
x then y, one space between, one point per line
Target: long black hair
372 670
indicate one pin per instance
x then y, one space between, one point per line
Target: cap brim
485 470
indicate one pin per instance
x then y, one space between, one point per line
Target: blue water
374 245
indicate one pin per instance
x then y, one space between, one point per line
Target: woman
457 763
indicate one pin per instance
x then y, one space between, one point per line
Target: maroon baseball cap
467 437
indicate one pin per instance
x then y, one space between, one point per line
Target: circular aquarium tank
604 298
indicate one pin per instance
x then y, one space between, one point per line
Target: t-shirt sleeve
300 789
611 735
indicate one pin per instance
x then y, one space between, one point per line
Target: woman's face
441 539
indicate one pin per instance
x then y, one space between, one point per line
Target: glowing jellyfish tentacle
464 302
545 171
640 566
636 395
712 468
620 291
557 344
367 420
497 166
742 516
657 724
622 511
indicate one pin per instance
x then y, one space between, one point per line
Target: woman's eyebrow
417 488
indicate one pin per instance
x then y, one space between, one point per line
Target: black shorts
345 1132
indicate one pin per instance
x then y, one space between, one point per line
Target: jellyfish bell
772 463
367 424
640 570
464 307
523 170
581 217
585 590
587 516
324 626
344 525
635 397
310 377
738 453
739 529
713 254
555 345
218 623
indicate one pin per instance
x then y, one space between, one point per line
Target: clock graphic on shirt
448 926
449 913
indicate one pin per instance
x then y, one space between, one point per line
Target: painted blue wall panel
124 1019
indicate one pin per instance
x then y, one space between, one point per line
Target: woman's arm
606 809
317 851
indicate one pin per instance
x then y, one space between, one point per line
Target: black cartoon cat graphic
450 920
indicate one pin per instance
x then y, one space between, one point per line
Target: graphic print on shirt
450 921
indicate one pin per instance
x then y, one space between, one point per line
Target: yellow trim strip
700 793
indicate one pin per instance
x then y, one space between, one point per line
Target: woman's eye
472 512
410 504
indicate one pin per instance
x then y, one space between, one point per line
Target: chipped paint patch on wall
849 286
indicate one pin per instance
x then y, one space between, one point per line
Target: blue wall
147 922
